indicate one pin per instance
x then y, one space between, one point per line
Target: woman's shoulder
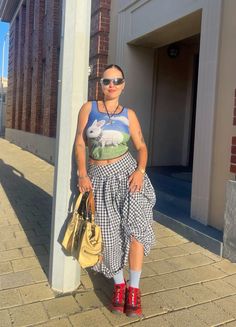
88 104
86 107
130 110
131 113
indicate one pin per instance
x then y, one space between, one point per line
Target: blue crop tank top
107 137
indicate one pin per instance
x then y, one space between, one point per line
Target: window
45 7
34 17
43 84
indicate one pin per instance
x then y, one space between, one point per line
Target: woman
123 193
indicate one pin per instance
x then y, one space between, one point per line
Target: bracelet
78 174
141 170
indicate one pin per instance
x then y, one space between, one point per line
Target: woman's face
112 91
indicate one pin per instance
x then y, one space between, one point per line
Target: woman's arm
84 182
136 179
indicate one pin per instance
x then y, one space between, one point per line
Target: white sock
134 278
119 277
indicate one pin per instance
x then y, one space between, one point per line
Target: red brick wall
234 117
9 104
100 27
233 147
34 54
27 84
37 57
20 68
51 48
233 155
31 104
12 75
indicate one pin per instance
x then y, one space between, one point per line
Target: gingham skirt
120 213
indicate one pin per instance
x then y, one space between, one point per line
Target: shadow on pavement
33 209
102 286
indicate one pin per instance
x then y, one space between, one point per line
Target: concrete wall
224 129
42 146
3 89
3 119
138 70
138 91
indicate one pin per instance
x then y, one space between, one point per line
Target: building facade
179 59
34 49
179 63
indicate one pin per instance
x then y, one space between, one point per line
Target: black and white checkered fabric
120 213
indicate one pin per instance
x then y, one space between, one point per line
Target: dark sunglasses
115 81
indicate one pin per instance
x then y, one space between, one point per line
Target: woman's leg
136 254
133 297
119 277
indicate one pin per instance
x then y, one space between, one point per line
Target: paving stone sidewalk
182 283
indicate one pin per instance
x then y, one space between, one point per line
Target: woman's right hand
84 184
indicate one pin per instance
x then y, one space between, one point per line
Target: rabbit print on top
107 136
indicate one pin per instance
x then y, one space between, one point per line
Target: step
206 236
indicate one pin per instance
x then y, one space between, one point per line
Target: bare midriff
105 162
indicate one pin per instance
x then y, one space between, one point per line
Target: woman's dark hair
115 66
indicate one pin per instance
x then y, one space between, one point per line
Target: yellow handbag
73 225
83 238
89 251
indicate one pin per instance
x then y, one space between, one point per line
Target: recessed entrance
137 40
174 112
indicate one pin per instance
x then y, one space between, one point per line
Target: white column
205 112
64 272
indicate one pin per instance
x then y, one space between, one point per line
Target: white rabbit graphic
104 137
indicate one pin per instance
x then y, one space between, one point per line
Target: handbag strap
90 204
78 201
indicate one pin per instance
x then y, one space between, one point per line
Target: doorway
174 114
194 104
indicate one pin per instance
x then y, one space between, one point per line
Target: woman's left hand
136 181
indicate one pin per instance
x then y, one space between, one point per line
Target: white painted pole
64 272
